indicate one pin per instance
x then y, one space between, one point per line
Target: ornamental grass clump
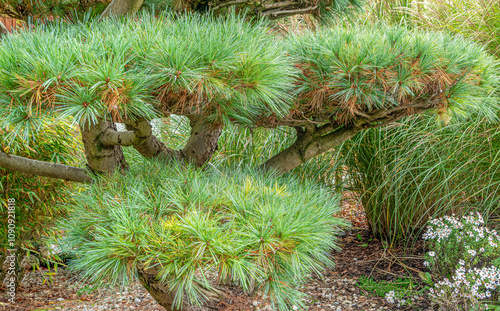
464 260
184 233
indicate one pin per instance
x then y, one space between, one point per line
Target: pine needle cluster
349 72
29 10
245 227
228 70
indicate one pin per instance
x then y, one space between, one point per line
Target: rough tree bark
200 147
160 292
202 143
150 146
101 159
165 298
3 30
313 140
119 8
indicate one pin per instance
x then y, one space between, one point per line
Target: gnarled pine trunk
119 8
202 143
164 297
310 142
101 159
3 30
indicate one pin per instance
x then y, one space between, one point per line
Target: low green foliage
29 11
401 290
242 225
380 288
455 242
475 19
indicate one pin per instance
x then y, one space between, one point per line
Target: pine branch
114 138
235 2
273 14
42 168
151 146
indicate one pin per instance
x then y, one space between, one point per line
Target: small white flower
462 262
432 254
472 252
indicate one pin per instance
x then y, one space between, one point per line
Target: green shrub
37 199
475 19
244 226
226 70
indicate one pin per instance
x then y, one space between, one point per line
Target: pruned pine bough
328 85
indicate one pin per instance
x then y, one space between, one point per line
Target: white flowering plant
464 261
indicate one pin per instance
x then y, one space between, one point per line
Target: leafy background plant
38 199
420 169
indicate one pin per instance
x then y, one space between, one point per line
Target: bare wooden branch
150 147
384 123
141 131
229 3
42 168
118 8
279 4
306 147
113 138
285 13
